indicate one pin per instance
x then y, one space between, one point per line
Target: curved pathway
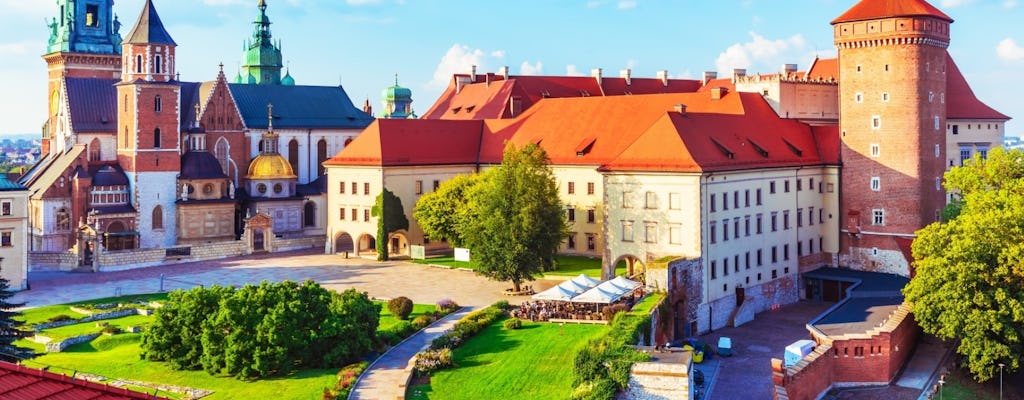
385 379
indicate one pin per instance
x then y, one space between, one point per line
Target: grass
534 362
644 307
387 320
43 314
567 265
86 328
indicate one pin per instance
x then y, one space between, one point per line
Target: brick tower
84 43
148 144
892 60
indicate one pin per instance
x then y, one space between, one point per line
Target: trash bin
346 254
724 346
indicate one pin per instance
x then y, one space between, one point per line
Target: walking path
386 378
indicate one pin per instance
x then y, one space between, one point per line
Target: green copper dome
396 92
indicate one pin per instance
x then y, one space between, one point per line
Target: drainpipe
309 150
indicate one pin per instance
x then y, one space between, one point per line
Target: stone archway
343 243
398 244
635 268
367 244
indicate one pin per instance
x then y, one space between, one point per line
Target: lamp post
941 382
1001 365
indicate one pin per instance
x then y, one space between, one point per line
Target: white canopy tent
625 283
586 281
574 286
597 295
556 293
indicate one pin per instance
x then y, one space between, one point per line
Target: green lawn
567 265
86 328
534 362
43 314
387 320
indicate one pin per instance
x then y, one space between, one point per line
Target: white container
797 351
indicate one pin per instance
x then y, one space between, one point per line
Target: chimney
738 73
663 75
596 73
472 74
788 68
681 109
708 77
367 108
504 72
718 92
487 79
627 75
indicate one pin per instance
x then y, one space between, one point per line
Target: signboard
461 254
418 252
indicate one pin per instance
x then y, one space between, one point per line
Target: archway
293 155
634 268
116 238
343 243
367 244
398 244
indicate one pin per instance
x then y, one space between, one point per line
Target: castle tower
263 61
84 43
148 144
397 102
892 59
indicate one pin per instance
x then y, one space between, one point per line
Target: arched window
158 104
221 150
157 67
321 156
347 141
125 103
63 220
158 217
138 63
156 138
94 150
309 215
260 145
293 155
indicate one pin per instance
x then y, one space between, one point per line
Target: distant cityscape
19 150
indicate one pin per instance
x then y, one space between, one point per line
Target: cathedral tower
892 60
148 144
263 61
84 43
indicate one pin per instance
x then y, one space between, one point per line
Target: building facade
13 233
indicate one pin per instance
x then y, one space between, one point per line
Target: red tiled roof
961 103
490 96
18 382
824 69
721 82
875 9
740 131
398 142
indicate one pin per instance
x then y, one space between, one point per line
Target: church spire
263 60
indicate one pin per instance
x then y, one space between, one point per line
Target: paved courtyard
422 284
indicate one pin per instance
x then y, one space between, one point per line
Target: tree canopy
969 282
440 214
10 328
390 218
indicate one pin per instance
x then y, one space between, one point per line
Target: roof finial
198 110
396 79
221 67
270 117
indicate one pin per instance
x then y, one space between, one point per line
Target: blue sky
363 43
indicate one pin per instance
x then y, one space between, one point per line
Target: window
785 185
571 241
437 184
591 242
775 221
938 183
965 154
876 122
651 201
156 138
746 260
713 202
590 188
785 252
138 63
886 67
714 269
931 97
785 220
92 16
674 202
983 152
627 199
736 199
760 258
876 183
355 188
877 217
885 97
760 223
355 215
627 231
799 185
725 230
591 216
775 254
341 212
859 97
419 187
942 97
810 184
278 188
956 129
158 64
799 249
736 228
5 208
746 225
758 196
746 198
366 215
63 219
736 263
309 215
937 122
725 266
572 187
810 216
5 239
859 69
650 232
158 104
675 234
821 215
713 231
771 187
366 188
570 214
799 217
725 201
158 217
937 151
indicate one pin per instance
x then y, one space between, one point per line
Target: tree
390 218
515 220
969 282
440 214
10 328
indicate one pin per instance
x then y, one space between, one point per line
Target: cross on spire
270 117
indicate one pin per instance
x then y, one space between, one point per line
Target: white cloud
955 3
459 59
1008 4
1009 50
627 4
571 70
763 54
527 69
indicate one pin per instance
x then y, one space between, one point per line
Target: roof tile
875 9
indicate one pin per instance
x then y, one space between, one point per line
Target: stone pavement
422 284
385 379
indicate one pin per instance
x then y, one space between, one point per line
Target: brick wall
305 242
41 261
805 380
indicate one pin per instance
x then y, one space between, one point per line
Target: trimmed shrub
429 361
600 389
513 323
609 312
447 306
346 380
502 305
423 321
400 307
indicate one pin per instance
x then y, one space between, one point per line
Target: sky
362 44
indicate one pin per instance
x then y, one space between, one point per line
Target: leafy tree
441 213
516 220
390 218
10 328
177 330
969 282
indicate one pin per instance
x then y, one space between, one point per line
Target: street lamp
1001 365
941 382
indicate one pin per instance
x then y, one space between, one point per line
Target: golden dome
270 166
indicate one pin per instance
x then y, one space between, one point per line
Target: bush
609 311
447 306
423 321
396 333
346 380
601 389
513 323
110 330
502 305
59 318
429 361
400 307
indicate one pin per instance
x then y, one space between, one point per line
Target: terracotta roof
961 103
875 9
20 382
739 131
399 142
721 82
824 69
490 95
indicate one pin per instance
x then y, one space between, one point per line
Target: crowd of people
544 310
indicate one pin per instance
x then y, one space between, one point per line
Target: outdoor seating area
582 299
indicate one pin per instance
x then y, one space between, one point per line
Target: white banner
461 254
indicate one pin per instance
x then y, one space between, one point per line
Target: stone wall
305 242
659 381
90 318
42 261
59 346
128 259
